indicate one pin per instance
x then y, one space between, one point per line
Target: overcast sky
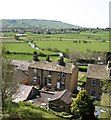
85 13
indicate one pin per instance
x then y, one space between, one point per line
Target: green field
23 47
82 47
94 42
100 35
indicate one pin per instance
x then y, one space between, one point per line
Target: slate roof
43 99
20 64
53 66
97 71
63 95
22 93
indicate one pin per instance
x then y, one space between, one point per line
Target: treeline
42 54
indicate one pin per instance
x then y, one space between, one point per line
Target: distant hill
35 23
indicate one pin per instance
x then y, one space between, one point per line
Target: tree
74 55
67 52
83 106
8 83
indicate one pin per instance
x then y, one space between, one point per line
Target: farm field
82 47
98 41
23 47
100 35
83 35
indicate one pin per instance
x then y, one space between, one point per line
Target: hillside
35 23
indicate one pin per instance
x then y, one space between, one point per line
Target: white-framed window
49 74
63 75
93 82
35 70
35 79
58 85
49 82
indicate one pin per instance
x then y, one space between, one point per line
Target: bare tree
9 85
74 54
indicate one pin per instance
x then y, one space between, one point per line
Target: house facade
53 75
96 75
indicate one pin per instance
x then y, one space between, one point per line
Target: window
62 85
45 81
58 84
58 74
38 81
93 82
63 75
35 70
93 93
49 81
35 79
49 74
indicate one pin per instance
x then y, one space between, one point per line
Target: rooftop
46 97
22 93
20 64
63 95
53 66
97 71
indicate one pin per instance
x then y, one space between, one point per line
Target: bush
8 52
42 54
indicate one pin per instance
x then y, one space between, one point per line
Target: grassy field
23 47
101 35
82 47
58 41
61 45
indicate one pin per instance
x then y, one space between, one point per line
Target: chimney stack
61 61
35 57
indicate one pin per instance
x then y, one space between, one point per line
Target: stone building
61 101
96 75
53 75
